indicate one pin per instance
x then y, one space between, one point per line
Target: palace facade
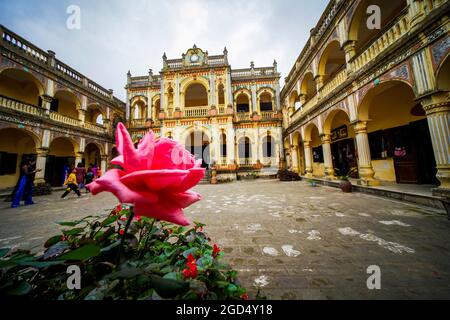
377 100
51 112
230 118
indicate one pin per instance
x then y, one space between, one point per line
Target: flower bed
151 260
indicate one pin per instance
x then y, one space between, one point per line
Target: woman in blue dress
24 187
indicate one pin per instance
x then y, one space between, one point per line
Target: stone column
319 83
46 103
212 89
254 106
437 108
104 163
308 159
41 161
231 157
349 49
81 116
327 156
78 158
294 153
366 172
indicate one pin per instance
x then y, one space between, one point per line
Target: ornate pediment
195 57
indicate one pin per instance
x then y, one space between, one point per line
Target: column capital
349 46
42 152
307 143
436 103
360 127
326 138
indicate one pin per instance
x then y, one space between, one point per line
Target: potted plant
346 185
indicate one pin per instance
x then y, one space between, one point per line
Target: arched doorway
94 115
343 150
61 158
196 96
299 149
198 143
265 102
332 61
66 103
21 86
243 103
308 87
245 151
92 155
317 159
19 145
399 138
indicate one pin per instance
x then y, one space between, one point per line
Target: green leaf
56 250
53 240
69 223
168 288
83 253
73 232
171 275
19 289
111 246
39 264
4 252
108 221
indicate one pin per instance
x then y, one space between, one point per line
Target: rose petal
162 210
190 181
125 146
146 149
154 179
185 199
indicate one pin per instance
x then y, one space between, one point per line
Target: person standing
81 174
89 178
71 184
24 187
94 170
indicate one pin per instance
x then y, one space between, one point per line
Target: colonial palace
376 100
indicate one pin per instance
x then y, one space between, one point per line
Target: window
54 105
318 154
223 145
221 95
8 163
267 147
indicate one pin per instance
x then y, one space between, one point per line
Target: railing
66 70
245 161
256 72
177 63
28 48
399 28
64 119
99 89
223 161
222 109
267 115
216 60
136 123
334 82
192 112
243 116
20 106
94 127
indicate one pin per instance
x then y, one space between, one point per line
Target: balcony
138 123
243 116
94 127
64 119
194 112
334 82
21 107
245 161
399 28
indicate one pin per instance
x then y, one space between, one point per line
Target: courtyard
289 240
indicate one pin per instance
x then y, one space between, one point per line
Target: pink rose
156 177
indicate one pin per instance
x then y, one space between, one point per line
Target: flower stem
147 237
125 234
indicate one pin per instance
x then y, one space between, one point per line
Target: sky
119 35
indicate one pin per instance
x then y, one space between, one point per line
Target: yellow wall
61 148
384 169
68 109
20 143
318 169
27 93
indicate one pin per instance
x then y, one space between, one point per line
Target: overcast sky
119 35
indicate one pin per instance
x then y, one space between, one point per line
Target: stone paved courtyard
291 240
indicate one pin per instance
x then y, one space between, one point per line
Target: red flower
245 297
138 218
119 207
191 270
121 232
216 250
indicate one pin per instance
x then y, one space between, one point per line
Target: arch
62 153
443 72
265 101
195 93
21 85
332 60
197 142
294 100
139 110
170 99
221 94
95 114
328 123
308 135
358 31
268 145
66 103
92 154
21 143
399 137
243 101
156 103
308 86
245 150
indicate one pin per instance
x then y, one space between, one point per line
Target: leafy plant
346 176
122 257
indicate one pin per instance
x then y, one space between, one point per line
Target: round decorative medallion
194 58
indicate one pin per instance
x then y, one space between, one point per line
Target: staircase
207 178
